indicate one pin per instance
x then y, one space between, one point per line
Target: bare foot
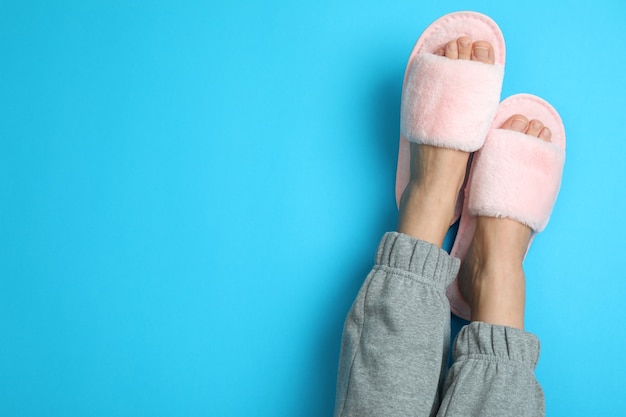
492 278
437 174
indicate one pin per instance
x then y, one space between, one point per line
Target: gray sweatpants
395 346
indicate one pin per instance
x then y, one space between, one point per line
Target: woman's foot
437 174
491 278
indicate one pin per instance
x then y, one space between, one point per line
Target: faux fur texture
449 103
514 175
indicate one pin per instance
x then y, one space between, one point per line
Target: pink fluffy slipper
514 175
446 102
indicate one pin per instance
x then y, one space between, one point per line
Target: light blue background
192 193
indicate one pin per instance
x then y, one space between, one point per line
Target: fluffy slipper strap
449 103
516 176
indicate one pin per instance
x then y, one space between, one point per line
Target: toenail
464 42
481 53
518 125
545 134
536 124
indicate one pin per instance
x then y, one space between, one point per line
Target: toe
464 44
517 122
534 127
482 51
451 50
545 134
440 52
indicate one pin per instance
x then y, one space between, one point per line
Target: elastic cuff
403 252
480 340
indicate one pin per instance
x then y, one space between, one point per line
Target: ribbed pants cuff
491 342
421 259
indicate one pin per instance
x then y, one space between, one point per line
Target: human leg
494 358
396 336
493 372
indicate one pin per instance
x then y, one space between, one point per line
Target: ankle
501 243
492 281
426 212
498 297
